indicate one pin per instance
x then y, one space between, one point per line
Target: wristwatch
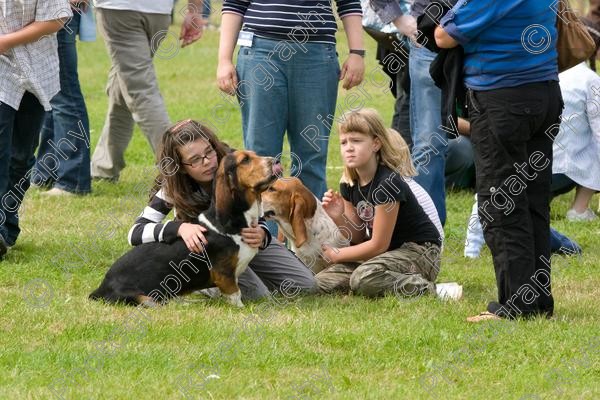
358 52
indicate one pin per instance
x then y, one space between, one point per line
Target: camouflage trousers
409 270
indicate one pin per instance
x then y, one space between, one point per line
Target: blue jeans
460 164
430 143
19 136
560 244
63 159
206 8
297 95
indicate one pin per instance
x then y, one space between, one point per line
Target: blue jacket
507 43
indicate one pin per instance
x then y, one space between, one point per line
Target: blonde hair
394 152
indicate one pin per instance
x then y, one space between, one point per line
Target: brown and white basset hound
303 221
153 273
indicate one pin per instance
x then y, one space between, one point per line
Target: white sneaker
449 291
587 215
54 192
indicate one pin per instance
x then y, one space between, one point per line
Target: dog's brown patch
146 301
223 275
292 201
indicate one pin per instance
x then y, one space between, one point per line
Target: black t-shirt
412 224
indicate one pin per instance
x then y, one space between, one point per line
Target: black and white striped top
294 20
149 226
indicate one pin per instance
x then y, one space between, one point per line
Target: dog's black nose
276 167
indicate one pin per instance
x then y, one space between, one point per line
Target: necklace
364 208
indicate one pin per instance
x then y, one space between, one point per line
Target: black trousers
19 137
512 131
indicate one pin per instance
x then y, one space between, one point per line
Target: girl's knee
368 281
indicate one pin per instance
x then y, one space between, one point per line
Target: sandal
484 316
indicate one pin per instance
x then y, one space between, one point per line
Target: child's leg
109 156
407 271
583 196
335 278
25 138
251 286
7 117
281 271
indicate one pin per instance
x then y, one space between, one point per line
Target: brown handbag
574 44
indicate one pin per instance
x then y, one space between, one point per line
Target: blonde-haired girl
393 226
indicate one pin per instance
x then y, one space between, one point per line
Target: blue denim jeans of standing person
206 8
63 159
283 91
19 136
430 143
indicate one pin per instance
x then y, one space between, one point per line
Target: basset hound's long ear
301 207
224 185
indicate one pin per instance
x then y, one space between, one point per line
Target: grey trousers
132 89
273 269
407 271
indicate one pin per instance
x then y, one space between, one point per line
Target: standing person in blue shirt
515 100
287 75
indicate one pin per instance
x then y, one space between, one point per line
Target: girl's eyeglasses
199 160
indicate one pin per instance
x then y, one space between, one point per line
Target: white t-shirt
146 6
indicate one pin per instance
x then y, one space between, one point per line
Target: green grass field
54 343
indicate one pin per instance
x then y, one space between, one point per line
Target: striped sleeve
235 7
348 7
149 226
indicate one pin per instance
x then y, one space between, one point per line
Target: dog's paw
234 299
146 301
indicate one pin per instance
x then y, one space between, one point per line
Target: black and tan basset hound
153 273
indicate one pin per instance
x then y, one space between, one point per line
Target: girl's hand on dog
253 236
329 254
192 235
333 204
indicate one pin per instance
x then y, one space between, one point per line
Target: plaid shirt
32 67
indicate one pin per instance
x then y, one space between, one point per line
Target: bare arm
351 223
443 40
231 24
353 70
383 227
192 26
30 33
464 127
